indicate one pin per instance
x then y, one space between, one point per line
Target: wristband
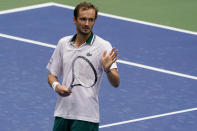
54 85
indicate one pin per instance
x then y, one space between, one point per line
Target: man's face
85 21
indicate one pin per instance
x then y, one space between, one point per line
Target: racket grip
70 88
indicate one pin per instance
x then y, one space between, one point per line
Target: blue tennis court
157 68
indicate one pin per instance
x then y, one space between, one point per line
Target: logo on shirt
89 54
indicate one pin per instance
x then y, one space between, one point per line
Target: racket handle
70 88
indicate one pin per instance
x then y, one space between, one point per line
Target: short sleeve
109 48
55 63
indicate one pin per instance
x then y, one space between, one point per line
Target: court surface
157 67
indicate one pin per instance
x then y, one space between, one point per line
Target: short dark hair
85 6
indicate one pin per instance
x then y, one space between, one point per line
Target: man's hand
63 90
108 60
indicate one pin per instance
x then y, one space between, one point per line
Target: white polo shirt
83 103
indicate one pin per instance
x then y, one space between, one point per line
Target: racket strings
84 73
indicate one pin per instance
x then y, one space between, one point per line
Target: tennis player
78 109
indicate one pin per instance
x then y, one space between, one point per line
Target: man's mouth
86 28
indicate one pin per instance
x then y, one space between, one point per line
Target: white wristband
54 85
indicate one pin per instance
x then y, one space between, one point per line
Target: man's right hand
63 90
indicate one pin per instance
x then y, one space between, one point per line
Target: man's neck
81 39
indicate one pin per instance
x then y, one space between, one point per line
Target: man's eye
91 19
83 19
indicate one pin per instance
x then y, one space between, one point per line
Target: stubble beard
82 31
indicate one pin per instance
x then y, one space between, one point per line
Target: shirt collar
90 40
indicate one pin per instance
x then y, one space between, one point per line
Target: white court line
147 118
100 13
27 40
120 61
26 8
157 69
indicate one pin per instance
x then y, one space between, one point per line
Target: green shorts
62 124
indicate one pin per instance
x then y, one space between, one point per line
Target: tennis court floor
157 67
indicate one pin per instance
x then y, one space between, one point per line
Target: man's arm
60 89
107 61
113 77
52 79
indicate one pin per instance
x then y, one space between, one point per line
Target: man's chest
93 54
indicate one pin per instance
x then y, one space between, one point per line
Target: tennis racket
83 73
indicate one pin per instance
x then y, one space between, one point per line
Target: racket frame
75 77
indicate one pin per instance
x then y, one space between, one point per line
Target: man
78 109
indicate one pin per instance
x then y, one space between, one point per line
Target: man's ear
74 20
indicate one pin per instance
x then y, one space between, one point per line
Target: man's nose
87 22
